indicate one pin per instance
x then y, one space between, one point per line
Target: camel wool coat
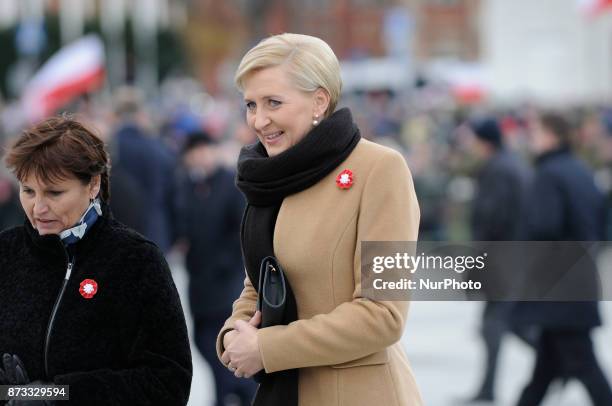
346 347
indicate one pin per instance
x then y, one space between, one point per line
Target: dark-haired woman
85 301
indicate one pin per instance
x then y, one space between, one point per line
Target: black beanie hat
487 130
195 139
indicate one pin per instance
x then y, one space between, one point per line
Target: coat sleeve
546 214
496 205
158 367
243 309
388 212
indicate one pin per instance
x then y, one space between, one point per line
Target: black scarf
266 181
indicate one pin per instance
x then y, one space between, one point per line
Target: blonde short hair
310 62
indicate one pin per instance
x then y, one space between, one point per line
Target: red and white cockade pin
88 288
345 179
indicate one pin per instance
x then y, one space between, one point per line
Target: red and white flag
75 69
468 83
593 8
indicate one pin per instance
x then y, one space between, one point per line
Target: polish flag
75 69
468 83
593 8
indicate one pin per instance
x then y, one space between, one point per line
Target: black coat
498 205
497 211
151 165
11 213
564 205
209 213
127 345
128 200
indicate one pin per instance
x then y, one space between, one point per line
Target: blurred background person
496 215
149 163
129 199
11 213
209 211
564 205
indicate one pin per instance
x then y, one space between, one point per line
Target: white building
547 51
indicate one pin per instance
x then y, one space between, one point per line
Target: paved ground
443 346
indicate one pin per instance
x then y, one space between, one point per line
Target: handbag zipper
58 301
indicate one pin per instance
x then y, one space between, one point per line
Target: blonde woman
315 190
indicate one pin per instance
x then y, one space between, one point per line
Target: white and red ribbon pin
88 288
345 179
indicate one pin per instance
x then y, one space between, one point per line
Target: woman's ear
94 186
321 101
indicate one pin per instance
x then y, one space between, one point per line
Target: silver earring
315 122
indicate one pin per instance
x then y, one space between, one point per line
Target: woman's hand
227 339
243 348
230 335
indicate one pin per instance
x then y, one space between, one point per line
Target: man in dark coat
209 212
564 205
501 186
149 163
496 213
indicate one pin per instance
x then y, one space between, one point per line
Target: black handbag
272 293
276 302
271 298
